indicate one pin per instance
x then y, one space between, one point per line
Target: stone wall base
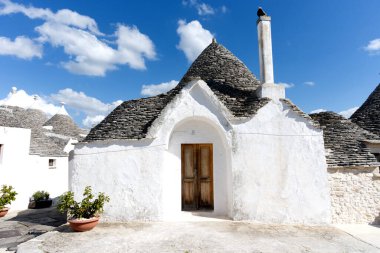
355 195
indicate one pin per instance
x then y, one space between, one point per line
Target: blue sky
94 54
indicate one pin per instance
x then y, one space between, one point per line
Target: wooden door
197 176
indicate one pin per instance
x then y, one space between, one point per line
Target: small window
377 155
52 163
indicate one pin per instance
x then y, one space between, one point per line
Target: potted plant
84 215
40 199
7 195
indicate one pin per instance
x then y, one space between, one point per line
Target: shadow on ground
16 228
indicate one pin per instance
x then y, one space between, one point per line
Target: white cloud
309 83
133 46
81 40
204 9
373 46
287 85
93 109
21 47
347 113
318 111
91 121
193 38
79 101
22 99
155 89
64 16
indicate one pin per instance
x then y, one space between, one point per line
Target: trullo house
34 150
222 142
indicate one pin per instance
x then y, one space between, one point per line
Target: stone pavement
198 236
367 233
19 227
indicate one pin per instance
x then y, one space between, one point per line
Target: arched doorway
201 145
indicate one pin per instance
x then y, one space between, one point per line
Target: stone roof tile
344 141
368 115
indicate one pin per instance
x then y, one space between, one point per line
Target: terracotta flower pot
83 225
4 211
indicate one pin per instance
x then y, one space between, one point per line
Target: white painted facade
269 168
28 173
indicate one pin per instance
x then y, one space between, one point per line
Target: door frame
197 165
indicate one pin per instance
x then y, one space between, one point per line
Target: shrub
7 195
40 195
87 208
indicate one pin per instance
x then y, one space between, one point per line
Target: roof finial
62 110
261 12
213 40
14 90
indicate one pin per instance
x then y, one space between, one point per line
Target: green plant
40 195
7 195
87 208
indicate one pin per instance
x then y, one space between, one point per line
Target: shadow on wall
376 221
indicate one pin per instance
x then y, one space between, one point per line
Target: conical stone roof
33 119
63 125
217 64
231 81
344 141
8 119
368 115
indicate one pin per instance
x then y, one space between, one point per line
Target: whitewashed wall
270 168
26 173
279 169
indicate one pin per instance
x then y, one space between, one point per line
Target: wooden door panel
189 181
204 159
205 200
188 193
206 195
189 161
197 176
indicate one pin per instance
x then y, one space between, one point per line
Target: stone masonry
355 195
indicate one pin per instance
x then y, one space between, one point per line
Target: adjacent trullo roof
344 141
224 73
63 124
42 142
368 115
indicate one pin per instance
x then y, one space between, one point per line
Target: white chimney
268 88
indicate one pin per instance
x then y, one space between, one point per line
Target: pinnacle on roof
368 115
63 124
62 110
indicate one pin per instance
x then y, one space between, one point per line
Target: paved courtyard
45 231
195 236
16 228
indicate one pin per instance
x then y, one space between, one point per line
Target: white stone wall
355 195
270 168
279 169
26 173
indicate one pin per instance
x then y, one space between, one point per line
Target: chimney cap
261 12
